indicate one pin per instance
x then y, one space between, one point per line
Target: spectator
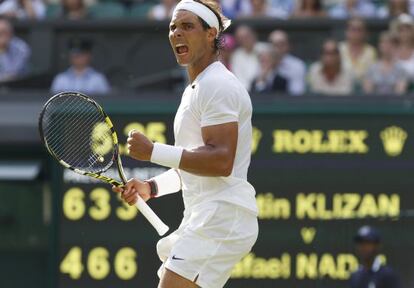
232 8
80 76
386 76
163 10
23 9
403 27
291 67
329 76
229 44
244 61
269 79
394 9
285 7
14 53
353 8
263 9
73 10
372 272
357 55
309 8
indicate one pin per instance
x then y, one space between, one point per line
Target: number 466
98 266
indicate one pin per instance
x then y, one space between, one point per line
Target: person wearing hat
80 76
372 273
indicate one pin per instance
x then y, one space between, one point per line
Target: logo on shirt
176 258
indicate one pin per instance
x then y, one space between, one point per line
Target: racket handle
148 213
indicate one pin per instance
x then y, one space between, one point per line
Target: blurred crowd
345 66
162 9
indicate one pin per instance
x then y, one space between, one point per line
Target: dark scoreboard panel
318 179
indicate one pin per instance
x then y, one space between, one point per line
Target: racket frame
160 226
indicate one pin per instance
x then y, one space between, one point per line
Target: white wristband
168 182
166 155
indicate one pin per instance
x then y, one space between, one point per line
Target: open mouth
181 49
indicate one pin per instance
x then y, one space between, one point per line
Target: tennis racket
80 136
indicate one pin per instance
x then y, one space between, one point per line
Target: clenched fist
139 146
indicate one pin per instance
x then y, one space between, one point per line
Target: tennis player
208 162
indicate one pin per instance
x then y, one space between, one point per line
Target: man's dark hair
219 41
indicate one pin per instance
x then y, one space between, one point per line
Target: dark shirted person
372 273
269 79
291 67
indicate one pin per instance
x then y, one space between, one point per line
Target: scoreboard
318 178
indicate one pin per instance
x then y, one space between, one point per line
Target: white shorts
211 239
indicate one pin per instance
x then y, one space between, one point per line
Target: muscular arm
216 157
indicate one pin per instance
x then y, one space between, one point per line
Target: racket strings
76 132
58 122
78 159
69 101
93 158
53 130
64 138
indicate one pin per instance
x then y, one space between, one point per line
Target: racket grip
148 213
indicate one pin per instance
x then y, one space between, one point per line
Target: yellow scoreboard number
74 205
98 264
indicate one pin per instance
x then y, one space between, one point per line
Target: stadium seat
140 10
107 10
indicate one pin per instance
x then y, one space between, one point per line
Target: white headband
203 12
